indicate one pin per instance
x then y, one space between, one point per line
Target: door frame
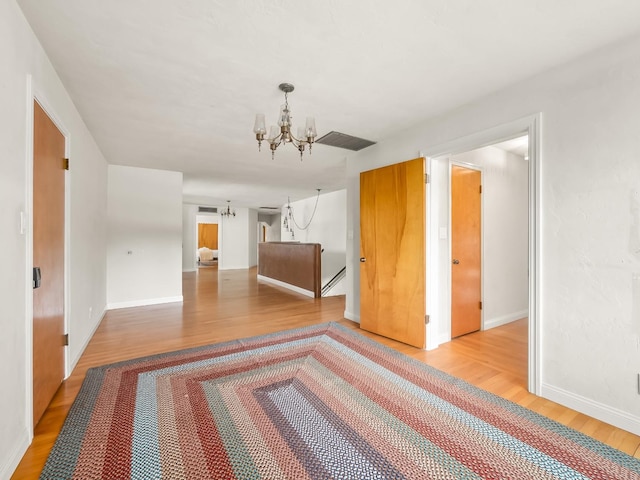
477 168
35 94
531 126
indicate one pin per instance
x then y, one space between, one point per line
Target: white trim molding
144 302
531 126
288 286
351 316
504 319
15 456
74 361
600 411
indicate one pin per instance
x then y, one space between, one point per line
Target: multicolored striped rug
318 402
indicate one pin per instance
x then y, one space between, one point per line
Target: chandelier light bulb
259 128
310 128
274 132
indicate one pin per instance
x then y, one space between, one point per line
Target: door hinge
66 164
480 188
426 178
426 319
480 305
65 340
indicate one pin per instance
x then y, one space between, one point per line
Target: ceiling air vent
207 209
341 140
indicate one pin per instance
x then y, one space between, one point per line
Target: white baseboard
504 319
600 411
189 270
351 316
143 303
73 362
12 460
288 286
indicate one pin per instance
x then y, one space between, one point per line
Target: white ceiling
518 146
176 84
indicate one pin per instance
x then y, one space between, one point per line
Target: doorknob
362 259
455 261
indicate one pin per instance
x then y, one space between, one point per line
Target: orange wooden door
208 235
392 251
466 270
48 254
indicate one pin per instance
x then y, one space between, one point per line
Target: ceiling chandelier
228 212
283 135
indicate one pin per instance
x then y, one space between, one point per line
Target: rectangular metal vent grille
341 140
207 209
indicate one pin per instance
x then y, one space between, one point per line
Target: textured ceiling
176 84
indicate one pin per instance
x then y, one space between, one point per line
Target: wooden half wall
291 264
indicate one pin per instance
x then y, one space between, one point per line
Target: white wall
238 240
208 218
22 55
505 278
272 224
328 228
144 251
252 246
589 217
189 237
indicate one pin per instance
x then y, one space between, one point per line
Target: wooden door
48 255
466 279
208 235
392 251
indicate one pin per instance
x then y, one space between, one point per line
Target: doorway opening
501 237
207 240
506 157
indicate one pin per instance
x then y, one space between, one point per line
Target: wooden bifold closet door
392 252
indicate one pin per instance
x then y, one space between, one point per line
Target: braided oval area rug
321 402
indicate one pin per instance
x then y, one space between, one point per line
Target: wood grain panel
294 263
48 254
466 274
392 243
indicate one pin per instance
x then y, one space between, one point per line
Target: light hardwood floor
225 305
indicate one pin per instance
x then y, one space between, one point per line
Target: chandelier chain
312 214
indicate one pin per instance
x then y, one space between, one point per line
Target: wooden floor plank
225 305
